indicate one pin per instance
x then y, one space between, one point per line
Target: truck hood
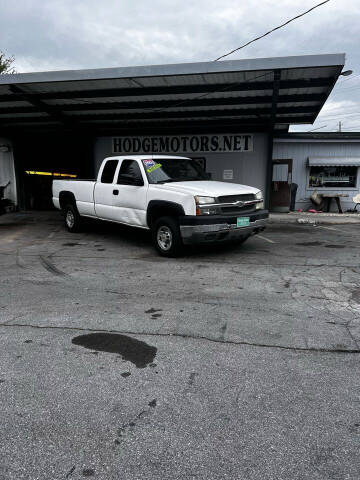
208 188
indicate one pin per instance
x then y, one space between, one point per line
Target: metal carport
256 95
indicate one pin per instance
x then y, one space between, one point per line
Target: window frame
117 173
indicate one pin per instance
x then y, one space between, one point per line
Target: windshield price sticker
151 165
155 167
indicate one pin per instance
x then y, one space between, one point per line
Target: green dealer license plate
243 221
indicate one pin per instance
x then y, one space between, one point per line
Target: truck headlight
203 206
259 196
204 200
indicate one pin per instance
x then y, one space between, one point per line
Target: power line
349 89
270 31
318 128
337 116
184 102
348 79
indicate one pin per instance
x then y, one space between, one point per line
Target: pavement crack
70 472
50 267
187 336
347 328
129 427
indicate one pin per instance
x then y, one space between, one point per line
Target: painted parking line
341 231
329 228
266 239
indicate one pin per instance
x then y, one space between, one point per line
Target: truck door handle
116 192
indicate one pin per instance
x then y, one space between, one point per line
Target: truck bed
83 191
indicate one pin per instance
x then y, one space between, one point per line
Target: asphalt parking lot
235 362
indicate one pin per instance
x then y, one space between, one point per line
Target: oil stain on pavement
132 350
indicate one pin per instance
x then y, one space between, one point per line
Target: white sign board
228 174
184 144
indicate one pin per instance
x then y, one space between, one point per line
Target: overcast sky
75 34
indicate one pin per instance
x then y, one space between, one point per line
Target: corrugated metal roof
318 136
225 91
334 162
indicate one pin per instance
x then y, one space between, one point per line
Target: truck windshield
164 170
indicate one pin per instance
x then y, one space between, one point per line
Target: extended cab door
103 192
129 196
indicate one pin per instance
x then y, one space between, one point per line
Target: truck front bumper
220 228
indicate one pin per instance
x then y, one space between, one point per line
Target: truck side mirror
208 175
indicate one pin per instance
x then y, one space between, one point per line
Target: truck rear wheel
166 237
72 218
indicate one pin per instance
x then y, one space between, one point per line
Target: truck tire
72 219
167 237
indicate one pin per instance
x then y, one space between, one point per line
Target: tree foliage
6 64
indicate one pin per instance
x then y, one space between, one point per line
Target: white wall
7 171
299 151
249 168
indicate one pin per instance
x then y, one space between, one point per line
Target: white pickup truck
171 196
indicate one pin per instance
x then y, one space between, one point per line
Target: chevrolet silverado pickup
170 196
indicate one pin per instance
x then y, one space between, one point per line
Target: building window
333 176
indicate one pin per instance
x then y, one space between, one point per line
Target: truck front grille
237 209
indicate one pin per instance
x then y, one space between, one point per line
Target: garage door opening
38 188
43 158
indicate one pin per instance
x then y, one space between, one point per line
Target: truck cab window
109 171
129 173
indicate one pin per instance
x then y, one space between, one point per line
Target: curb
305 220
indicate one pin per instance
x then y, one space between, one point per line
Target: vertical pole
19 174
270 145
276 86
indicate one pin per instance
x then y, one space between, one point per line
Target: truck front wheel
166 237
72 219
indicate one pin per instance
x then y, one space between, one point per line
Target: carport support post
276 86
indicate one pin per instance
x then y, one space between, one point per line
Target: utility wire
184 102
349 129
270 31
349 89
318 128
326 118
348 79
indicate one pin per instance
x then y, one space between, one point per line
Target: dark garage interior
42 157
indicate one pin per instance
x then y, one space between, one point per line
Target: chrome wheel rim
70 219
164 238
